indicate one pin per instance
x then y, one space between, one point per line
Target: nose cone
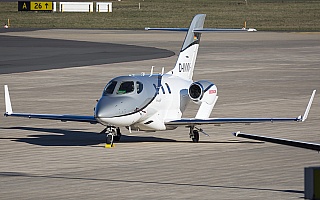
108 107
99 111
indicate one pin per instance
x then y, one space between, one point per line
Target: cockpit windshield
109 88
126 87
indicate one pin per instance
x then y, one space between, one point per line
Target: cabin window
139 87
109 88
126 87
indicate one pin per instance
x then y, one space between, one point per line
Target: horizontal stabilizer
203 30
166 29
294 143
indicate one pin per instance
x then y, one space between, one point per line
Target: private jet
156 102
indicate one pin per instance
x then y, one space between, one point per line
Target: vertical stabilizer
188 54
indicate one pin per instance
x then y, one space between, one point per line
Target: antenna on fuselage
162 72
151 73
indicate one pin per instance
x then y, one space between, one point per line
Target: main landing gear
113 134
194 133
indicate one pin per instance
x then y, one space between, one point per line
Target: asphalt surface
257 74
23 54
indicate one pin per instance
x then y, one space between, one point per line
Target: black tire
109 139
195 137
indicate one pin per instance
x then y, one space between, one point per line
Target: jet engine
203 93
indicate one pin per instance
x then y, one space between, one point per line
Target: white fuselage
168 104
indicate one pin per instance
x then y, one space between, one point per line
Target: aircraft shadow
66 137
18 174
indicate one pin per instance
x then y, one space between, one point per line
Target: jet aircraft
156 102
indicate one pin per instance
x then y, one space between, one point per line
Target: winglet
7 101
305 116
236 133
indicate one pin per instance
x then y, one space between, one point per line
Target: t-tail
188 54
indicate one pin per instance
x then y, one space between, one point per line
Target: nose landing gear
112 134
109 141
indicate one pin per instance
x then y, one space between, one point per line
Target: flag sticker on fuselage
212 91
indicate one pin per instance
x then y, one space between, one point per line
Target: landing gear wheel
195 136
109 141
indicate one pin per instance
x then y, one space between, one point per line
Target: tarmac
62 71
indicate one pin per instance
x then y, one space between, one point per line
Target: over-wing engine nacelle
203 93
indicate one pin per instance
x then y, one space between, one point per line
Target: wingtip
7 101
252 30
306 113
236 133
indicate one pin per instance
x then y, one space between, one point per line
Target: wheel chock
109 146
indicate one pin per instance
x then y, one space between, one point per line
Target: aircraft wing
64 118
194 121
294 143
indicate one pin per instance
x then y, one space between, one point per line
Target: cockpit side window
139 87
109 88
126 87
